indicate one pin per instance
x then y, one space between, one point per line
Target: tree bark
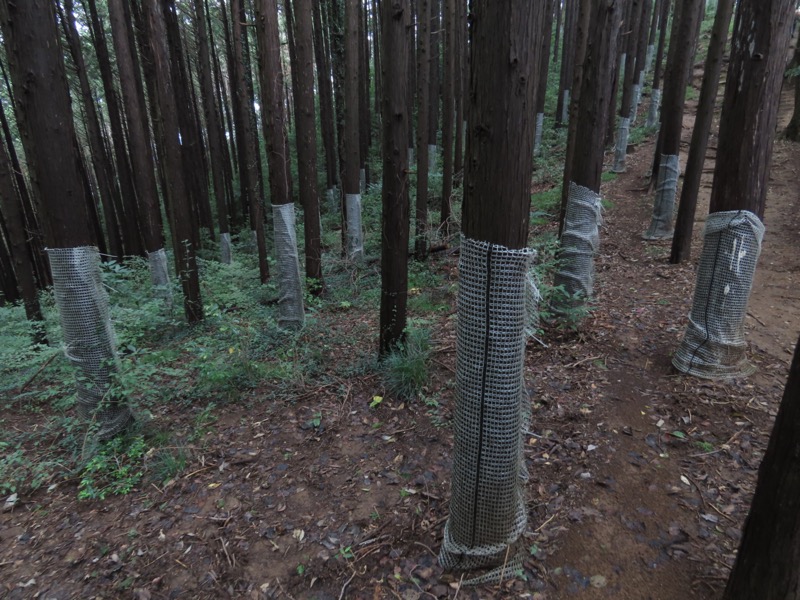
179 207
132 238
766 564
682 238
326 114
423 106
212 118
750 107
448 106
395 21
246 143
351 100
434 94
103 170
499 156
306 139
141 158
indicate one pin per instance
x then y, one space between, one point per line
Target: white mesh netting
159 274
332 198
432 150
637 97
225 254
655 106
355 239
362 180
487 506
669 169
621 149
565 108
537 138
89 341
714 345
648 59
291 312
580 241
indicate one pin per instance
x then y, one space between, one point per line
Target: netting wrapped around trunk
648 59
565 108
487 506
291 312
580 241
655 106
225 253
159 274
537 138
669 169
432 150
355 240
621 150
89 341
714 345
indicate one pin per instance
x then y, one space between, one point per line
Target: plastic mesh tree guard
714 346
291 312
621 150
648 59
580 241
333 199
635 94
89 342
225 254
355 240
669 169
487 506
655 106
537 136
159 274
362 180
432 150
565 108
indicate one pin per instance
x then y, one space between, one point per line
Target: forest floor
640 478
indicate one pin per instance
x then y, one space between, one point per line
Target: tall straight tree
247 144
544 58
423 106
133 241
140 152
23 267
655 92
448 111
435 79
395 21
103 170
682 239
628 83
326 114
273 107
352 122
567 60
180 210
714 345
487 507
582 175
45 119
214 131
679 64
306 138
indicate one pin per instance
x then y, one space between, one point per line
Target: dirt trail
683 452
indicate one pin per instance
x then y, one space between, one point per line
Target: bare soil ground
640 477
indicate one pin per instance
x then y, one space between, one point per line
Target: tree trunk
24 269
214 131
8 282
290 302
544 61
45 120
141 156
655 92
326 114
793 129
423 106
246 142
306 136
666 165
461 60
395 21
766 564
434 94
682 238
352 161
487 508
412 74
567 60
365 124
132 238
179 206
101 162
448 115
